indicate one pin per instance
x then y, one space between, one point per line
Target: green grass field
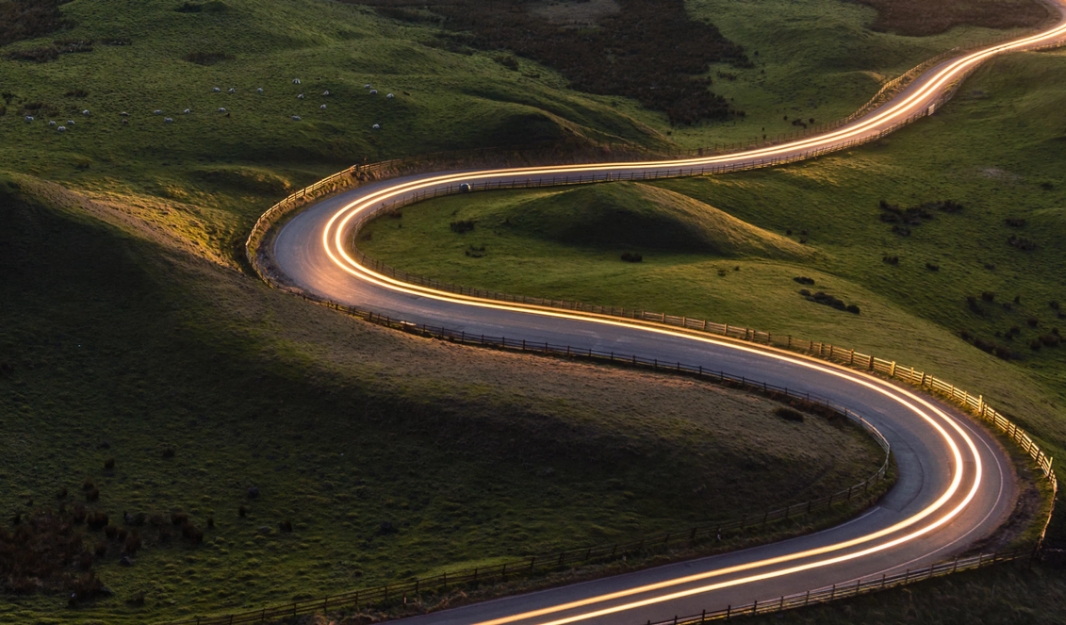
114 347
995 150
208 175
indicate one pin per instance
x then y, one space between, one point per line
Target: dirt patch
648 50
931 17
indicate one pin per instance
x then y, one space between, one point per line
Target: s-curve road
955 483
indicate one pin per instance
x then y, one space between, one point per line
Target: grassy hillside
137 379
937 286
207 175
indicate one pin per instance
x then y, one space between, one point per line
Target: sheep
124 114
326 93
259 90
51 123
376 127
300 97
295 81
29 118
295 118
157 112
221 109
390 96
217 89
373 92
70 122
233 90
168 120
125 121
85 112
366 86
323 107
61 129
187 111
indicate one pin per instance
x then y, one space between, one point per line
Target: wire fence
856 588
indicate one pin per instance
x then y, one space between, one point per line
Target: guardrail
860 586
688 537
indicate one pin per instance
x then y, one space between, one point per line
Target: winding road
955 485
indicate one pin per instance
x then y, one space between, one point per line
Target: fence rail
685 537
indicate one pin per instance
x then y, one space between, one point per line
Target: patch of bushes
77 93
1015 222
462 226
918 18
632 257
789 414
29 19
475 251
1021 243
804 280
890 260
37 55
1000 351
829 300
652 50
932 267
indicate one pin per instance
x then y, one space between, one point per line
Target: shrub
88 485
804 280
1035 345
1054 304
168 451
211 522
77 93
988 296
1050 340
462 226
789 414
853 309
242 512
111 531
192 533
37 55
62 493
891 260
1015 222
285 526
804 292
101 549
1033 322
179 518
132 544
932 267
109 463
207 58
507 60
96 520
632 257
92 494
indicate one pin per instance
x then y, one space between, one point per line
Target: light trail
966 481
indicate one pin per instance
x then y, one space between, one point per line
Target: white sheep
187 111
366 86
70 122
323 107
221 109
124 114
373 92
29 118
295 81
157 112
217 90
51 123
259 90
326 93
168 120
376 126
295 118
85 112
300 97
233 90
390 96
62 129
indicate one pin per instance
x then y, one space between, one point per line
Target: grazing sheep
51 123
295 118
221 109
187 111
217 90
157 112
124 114
125 121
29 118
376 126
373 92
70 122
295 81
233 90
61 129
301 96
366 86
326 93
323 107
259 90
168 120
390 96
85 112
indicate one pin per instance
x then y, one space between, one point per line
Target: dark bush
109 463
210 522
632 257
242 512
1035 345
192 533
932 267
462 226
168 451
965 335
96 520
1021 243
853 309
1015 222
804 280
88 485
990 267
507 60
179 518
891 260
111 531
475 251
285 526
1050 340
157 520
974 305
38 55
77 93
1033 322
92 494
988 296
101 549
132 544
62 493
1054 304
804 292
789 414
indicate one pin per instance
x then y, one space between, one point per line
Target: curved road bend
955 483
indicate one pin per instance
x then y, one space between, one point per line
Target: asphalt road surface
955 483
